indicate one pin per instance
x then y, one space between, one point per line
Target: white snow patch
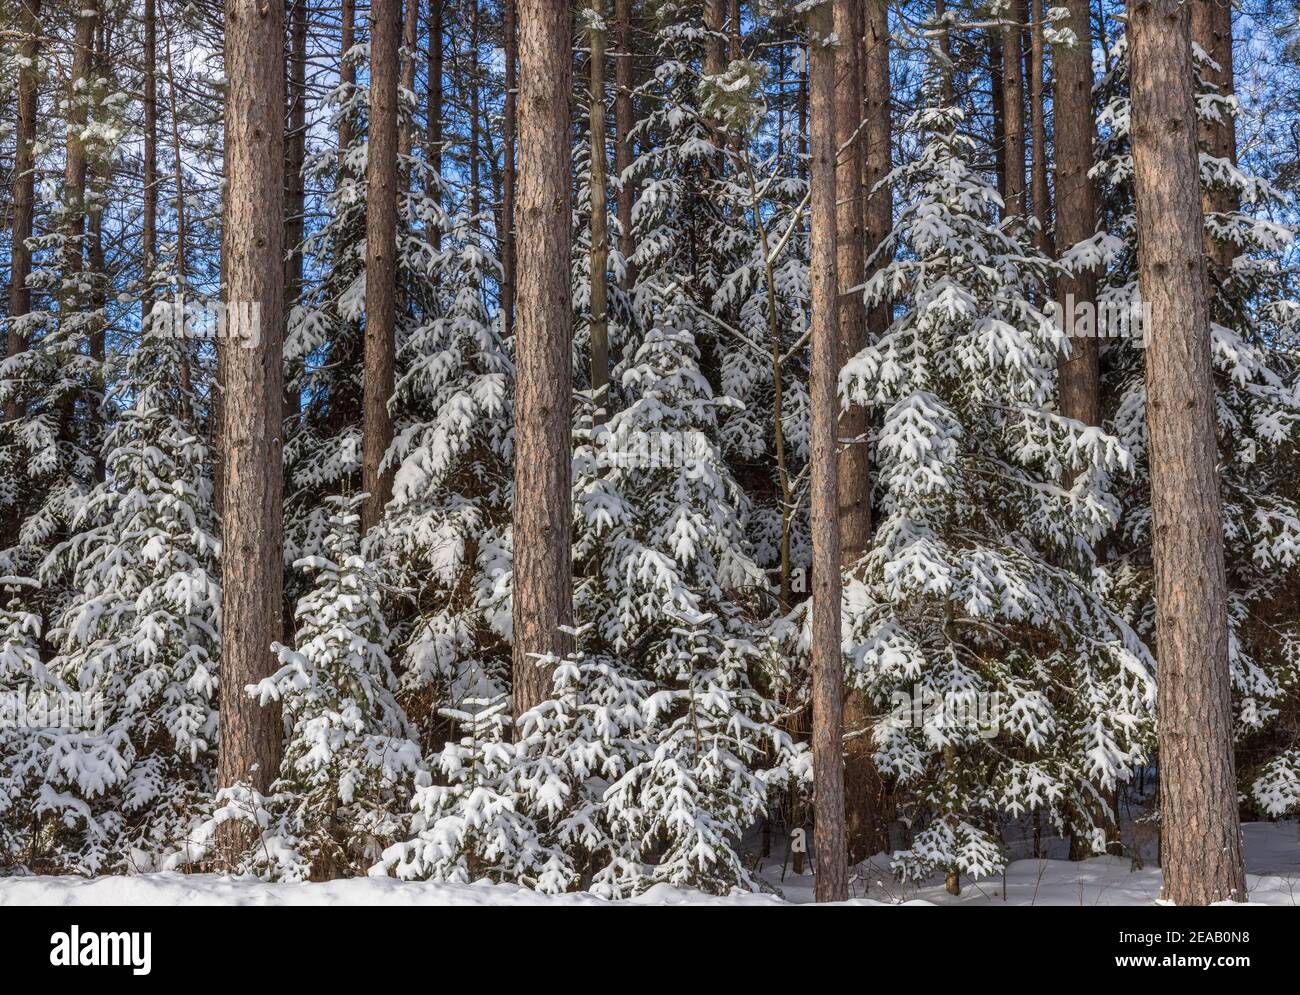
1272 860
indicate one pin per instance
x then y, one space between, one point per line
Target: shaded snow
1272 862
1272 865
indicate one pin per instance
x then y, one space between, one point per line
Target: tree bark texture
598 317
1076 212
543 569
381 260
827 660
24 189
253 392
1201 845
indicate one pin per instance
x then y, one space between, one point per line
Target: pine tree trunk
1038 128
508 141
20 257
1212 30
178 179
714 22
475 192
543 571
410 22
295 143
100 173
433 115
347 71
827 660
876 162
1076 213
381 260
1198 791
74 170
946 93
253 393
598 319
1013 119
623 124
853 469
997 97
854 485
149 212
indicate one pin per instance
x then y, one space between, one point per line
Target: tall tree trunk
854 485
295 141
475 194
1038 128
410 34
623 124
997 97
1201 837
182 272
1212 30
1076 213
20 257
253 393
1013 118
598 318
74 171
149 214
876 161
802 99
946 92
715 14
543 570
827 659
869 800
853 469
508 141
100 171
381 260
433 111
347 71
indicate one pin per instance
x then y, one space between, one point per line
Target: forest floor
1272 863
1272 878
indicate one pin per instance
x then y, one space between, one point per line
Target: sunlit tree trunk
1076 213
24 189
381 260
1200 834
598 319
253 395
543 569
827 659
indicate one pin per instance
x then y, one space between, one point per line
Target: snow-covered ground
1272 865
1272 862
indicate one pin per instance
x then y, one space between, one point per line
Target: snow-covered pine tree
535 808
50 451
1011 684
1253 314
667 575
24 743
138 635
446 538
350 762
323 344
